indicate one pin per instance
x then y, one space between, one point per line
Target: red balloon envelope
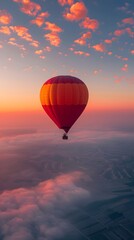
64 99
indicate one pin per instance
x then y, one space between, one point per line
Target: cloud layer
39 213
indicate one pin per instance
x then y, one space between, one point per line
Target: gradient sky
44 179
92 40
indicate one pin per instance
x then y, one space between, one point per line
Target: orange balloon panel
64 99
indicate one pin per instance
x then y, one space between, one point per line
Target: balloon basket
64 137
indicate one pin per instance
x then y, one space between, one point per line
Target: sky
46 182
92 40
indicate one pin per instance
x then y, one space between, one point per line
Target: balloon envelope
64 98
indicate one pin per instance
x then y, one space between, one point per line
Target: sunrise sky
92 40
46 183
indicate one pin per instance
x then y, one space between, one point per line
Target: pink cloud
109 41
119 79
118 56
122 58
76 12
82 53
52 27
110 53
12 41
1 46
38 52
132 52
5 17
65 2
89 23
120 32
22 32
82 39
97 71
125 59
53 38
71 49
125 7
43 208
125 68
28 7
129 31
42 57
35 43
47 49
39 20
99 47
5 30
128 20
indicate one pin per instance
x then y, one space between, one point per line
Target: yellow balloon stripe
44 94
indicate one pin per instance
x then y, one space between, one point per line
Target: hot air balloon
64 98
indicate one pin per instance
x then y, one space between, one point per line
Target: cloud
52 27
35 43
89 23
12 41
110 53
82 53
23 32
17 45
5 30
47 49
97 71
28 7
130 32
128 21
125 7
38 52
76 12
82 39
53 38
119 79
5 17
99 47
122 58
120 32
129 80
15 132
65 2
132 52
39 20
125 68
39 212
42 57
109 41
